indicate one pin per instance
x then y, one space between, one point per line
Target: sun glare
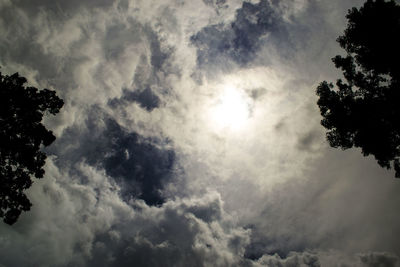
231 110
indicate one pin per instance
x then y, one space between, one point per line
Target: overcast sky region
190 136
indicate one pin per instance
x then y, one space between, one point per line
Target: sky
190 136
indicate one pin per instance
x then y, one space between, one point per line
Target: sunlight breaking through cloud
231 111
191 136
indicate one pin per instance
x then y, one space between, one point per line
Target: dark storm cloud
254 25
167 242
292 260
97 229
172 235
331 258
282 245
378 259
146 98
140 165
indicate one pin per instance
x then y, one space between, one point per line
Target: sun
231 110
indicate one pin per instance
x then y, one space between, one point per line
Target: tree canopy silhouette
22 135
364 110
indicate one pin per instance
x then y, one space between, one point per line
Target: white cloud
274 181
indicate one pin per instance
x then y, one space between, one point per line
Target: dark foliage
22 135
364 110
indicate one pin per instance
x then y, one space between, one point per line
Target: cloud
140 175
294 259
175 235
64 219
146 98
89 225
254 25
141 166
329 258
373 259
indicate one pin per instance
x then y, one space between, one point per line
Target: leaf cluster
364 110
22 135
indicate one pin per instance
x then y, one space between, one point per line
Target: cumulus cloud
187 232
379 259
141 166
329 258
143 174
254 25
88 224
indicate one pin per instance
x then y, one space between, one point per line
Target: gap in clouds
220 46
141 166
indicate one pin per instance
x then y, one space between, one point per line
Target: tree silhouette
364 110
22 135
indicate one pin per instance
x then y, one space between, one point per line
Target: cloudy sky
190 136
